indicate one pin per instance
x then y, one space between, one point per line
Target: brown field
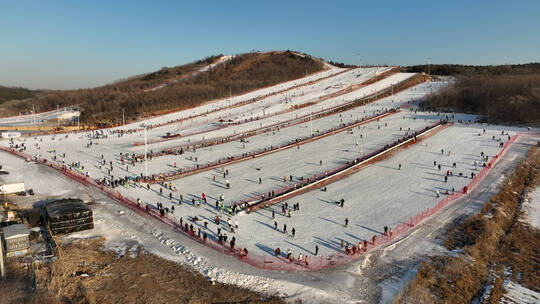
145 278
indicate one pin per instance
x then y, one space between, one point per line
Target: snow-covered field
370 194
39 118
382 194
515 293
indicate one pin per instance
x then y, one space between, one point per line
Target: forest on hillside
15 93
504 94
183 88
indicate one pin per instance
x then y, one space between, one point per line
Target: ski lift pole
145 152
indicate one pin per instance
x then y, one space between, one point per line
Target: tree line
242 73
15 93
506 94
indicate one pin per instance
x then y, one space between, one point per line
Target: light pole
123 119
311 124
145 153
230 97
359 61
429 65
57 116
78 115
34 114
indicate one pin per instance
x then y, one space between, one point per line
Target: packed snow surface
370 195
518 294
39 118
532 208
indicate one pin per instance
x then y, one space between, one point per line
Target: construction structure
68 215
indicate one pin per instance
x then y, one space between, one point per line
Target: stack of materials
69 215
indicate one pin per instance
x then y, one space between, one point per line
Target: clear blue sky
73 44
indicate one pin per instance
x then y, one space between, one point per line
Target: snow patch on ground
532 208
517 293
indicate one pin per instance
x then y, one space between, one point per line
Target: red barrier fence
292 122
241 103
270 262
255 203
171 175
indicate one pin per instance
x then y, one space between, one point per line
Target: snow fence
237 104
171 175
318 180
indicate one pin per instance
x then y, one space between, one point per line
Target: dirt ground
84 273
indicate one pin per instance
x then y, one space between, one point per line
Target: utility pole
2 269
123 119
311 123
78 115
34 114
429 65
376 76
230 97
145 152
57 116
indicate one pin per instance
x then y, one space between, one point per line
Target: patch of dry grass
145 278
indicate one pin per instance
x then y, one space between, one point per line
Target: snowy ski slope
376 196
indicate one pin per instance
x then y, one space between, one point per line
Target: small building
16 239
68 215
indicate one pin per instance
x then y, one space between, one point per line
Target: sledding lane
379 195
